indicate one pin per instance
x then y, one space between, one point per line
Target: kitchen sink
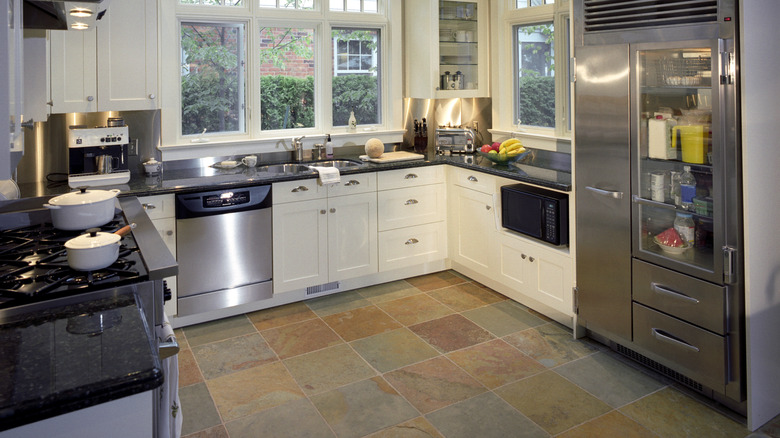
339 163
284 168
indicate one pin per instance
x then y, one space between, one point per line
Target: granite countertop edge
141 185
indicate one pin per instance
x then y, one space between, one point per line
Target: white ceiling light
81 12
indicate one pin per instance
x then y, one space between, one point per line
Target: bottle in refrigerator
685 227
687 189
674 188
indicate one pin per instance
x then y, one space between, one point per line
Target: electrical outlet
475 125
133 150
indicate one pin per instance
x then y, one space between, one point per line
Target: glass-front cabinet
455 66
678 139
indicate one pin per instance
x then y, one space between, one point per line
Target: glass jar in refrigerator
685 227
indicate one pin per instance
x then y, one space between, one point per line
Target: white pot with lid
83 209
95 250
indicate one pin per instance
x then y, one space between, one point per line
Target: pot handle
53 207
124 230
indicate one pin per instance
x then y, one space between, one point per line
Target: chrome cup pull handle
410 176
411 202
300 189
411 241
352 182
472 178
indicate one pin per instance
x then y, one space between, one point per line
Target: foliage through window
356 75
212 71
287 74
535 81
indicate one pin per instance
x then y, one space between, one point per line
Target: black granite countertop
58 359
537 168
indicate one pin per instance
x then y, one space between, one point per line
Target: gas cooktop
34 265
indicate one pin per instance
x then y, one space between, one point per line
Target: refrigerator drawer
696 301
687 349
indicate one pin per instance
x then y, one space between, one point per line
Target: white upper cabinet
446 49
111 68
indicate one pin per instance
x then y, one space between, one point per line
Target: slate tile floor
432 356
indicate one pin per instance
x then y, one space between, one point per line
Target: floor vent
320 288
666 371
603 15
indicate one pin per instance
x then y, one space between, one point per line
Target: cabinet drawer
412 246
417 176
474 180
696 353
299 190
411 206
159 206
353 184
693 300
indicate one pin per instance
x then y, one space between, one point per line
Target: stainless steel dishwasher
223 244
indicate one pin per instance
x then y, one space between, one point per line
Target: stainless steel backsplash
46 147
453 112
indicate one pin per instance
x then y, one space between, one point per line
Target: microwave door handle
610 193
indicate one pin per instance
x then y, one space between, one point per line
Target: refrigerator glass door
677 197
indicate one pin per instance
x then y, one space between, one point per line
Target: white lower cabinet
409 246
541 273
161 209
472 229
325 239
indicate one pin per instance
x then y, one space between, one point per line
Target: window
537 57
254 72
212 72
287 73
356 81
535 75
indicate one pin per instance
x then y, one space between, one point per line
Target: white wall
759 66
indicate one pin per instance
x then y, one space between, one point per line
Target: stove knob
166 291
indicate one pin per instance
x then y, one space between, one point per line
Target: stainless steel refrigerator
655 93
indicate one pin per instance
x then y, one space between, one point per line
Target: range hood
62 15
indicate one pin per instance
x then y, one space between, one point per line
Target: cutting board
389 157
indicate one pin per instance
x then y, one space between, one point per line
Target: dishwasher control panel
225 199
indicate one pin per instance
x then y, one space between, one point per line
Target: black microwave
536 212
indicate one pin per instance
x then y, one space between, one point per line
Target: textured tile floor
431 356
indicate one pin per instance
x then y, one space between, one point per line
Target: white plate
672 249
226 164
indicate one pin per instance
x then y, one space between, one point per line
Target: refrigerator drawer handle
641 200
665 337
671 293
610 193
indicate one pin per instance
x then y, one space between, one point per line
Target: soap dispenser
328 148
352 121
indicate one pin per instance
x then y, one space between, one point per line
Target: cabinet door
127 51
474 229
300 245
552 279
514 269
73 71
352 236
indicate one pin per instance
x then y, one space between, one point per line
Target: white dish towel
170 416
328 175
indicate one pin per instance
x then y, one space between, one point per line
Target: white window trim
176 146
505 15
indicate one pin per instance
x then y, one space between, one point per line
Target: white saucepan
95 250
83 209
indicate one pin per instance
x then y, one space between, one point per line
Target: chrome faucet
298 147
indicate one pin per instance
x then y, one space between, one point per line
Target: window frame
386 21
507 16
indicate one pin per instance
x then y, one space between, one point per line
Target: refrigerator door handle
610 193
665 337
729 260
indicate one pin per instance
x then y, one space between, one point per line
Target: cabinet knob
148 206
152 96
332 210
531 259
472 178
523 256
169 232
323 211
90 98
487 207
410 176
411 241
50 103
352 182
300 189
411 202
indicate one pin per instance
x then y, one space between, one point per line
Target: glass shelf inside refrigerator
683 236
